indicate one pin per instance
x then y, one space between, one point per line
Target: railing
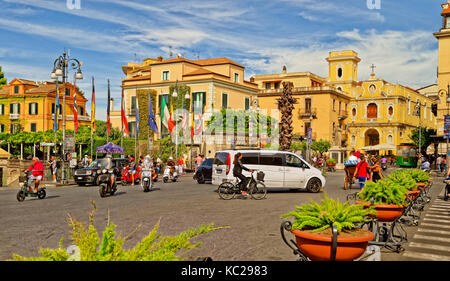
14 116
342 114
307 112
301 89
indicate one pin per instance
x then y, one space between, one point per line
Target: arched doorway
372 137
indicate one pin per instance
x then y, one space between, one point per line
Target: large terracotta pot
386 213
414 193
422 184
319 247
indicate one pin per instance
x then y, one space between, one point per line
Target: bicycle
256 188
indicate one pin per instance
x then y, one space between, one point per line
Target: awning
4 154
442 148
110 148
382 146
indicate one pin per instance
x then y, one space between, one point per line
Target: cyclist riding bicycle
38 173
237 172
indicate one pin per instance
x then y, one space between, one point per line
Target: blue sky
262 35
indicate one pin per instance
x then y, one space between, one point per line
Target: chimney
284 69
112 105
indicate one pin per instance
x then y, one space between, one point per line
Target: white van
282 169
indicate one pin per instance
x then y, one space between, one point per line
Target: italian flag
166 117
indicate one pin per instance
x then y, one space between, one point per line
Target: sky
262 35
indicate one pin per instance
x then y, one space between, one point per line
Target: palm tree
286 106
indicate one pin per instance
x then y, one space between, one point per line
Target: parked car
204 171
89 175
282 169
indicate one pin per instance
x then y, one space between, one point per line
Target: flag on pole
151 116
55 123
137 116
125 127
108 121
171 122
75 107
93 107
165 116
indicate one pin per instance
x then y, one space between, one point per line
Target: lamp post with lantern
61 67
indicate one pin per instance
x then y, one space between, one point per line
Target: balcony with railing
14 116
342 114
307 113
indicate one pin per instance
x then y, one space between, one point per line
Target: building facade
29 106
348 112
218 83
443 37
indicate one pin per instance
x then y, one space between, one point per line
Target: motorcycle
104 179
25 184
167 176
127 177
147 179
384 166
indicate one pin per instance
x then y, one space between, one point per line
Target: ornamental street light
61 67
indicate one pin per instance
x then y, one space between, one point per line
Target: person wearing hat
85 161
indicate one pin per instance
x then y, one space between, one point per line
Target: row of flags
166 114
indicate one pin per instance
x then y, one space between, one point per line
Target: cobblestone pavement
254 225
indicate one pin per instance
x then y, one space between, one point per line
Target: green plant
387 192
317 217
331 161
419 176
402 178
152 247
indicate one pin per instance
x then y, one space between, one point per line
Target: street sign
69 143
446 126
47 144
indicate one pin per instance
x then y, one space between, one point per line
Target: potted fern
331 162
313 229
386 196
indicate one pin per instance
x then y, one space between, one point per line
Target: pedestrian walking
439 163
53 167
361 171
180 165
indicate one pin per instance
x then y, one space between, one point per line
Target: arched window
354 112
372 110
390 139
391 110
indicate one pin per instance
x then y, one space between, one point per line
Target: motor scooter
167 176
104 179
26 184
384 166
146 180
127 176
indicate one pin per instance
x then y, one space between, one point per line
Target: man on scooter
38 173
132 167
171 165
110 165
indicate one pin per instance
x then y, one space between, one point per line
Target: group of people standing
368 168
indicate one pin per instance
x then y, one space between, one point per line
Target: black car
88 175
204 171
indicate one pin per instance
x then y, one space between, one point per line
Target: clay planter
414 193
319 247
386 213
331 164
422 184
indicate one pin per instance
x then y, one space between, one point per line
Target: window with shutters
2 109
224 100
199 97
2 128
67 92
247 103
16 89
133 106
14 108
33 108
81 110
372 111
33 127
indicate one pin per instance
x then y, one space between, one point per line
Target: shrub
331 161
317 217
152 247
383 192
402 178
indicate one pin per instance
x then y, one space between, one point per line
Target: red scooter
127 177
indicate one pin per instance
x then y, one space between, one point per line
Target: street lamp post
175 96
61 68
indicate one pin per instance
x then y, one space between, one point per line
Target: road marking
425 256
432 238
435 225
444 232
437 220
437 216
429 246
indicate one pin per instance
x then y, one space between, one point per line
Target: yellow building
218 83
29 106
443 37
347 112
